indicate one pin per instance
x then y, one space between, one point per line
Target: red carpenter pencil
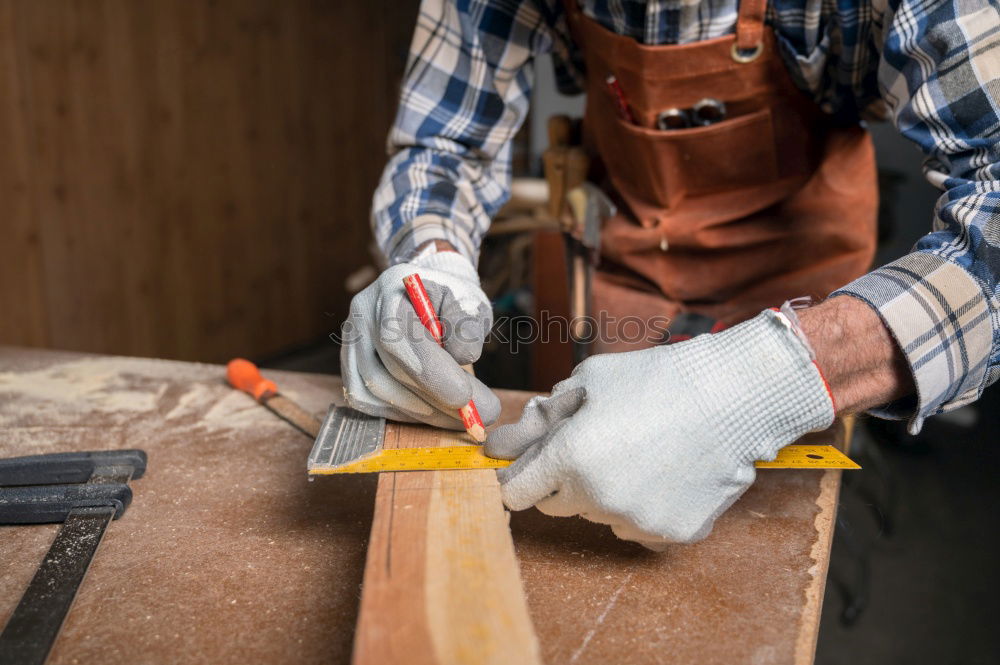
621 103
428 318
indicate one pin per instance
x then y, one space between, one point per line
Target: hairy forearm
856 353
442 246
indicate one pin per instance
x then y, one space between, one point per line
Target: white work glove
391 365
658 443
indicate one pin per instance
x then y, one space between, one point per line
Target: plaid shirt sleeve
939 73
465 93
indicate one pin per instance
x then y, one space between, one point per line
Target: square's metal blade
345 436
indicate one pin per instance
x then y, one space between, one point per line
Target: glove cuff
452 263
769 389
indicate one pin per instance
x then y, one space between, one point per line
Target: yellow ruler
802 456
796 456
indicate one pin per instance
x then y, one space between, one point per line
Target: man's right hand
391 365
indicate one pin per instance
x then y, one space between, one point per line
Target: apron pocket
664 167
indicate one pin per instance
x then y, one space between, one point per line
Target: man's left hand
658 443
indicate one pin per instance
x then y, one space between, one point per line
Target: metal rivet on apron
744 56
664 245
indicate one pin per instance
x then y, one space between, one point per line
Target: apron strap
749 30
749 27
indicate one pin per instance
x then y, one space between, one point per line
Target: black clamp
42 489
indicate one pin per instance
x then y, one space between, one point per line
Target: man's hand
658 443
391 365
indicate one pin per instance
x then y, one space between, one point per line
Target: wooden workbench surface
229 554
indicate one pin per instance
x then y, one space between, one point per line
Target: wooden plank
441 583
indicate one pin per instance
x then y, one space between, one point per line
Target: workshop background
192 181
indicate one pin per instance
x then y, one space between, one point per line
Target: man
722 223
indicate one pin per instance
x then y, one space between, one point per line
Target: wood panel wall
189 179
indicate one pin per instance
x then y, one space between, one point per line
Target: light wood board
441 583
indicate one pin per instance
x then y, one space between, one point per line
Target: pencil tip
477 432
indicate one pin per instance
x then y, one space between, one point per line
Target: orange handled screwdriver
244 375
428 317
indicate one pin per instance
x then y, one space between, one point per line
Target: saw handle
244 375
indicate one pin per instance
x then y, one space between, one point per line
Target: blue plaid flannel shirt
932 66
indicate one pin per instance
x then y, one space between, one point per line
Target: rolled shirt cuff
942 320
403 244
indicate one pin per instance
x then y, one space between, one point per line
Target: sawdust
85 385
191 402
238 410
216 405
73 392
63 383
612 601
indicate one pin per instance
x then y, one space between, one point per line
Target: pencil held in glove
428 317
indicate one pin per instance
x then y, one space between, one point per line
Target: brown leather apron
721 221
